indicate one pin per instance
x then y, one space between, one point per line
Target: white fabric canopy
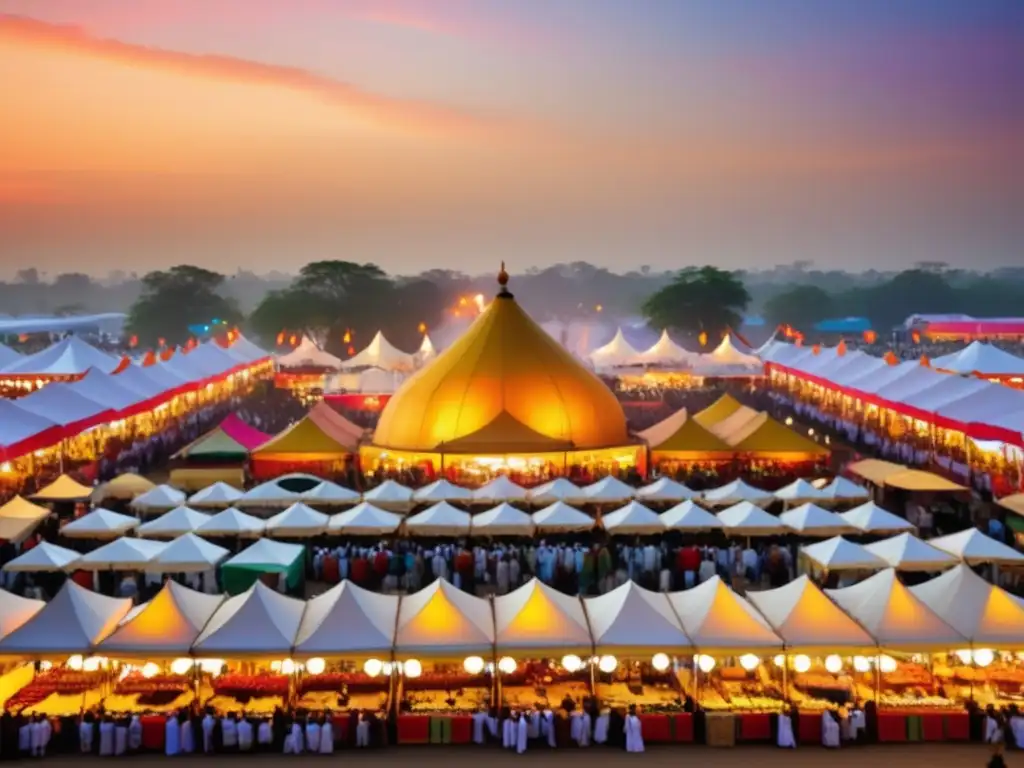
161 497
607 490
121 554
68 357
799 492
17 424
536 619
308 355
330 494
665 352
906 552
615 354
364 520
258 622
15 610
381 353
558 489
978 357
871 518
19 517
347 621
441 621
165 626
43 557
173 523
498 490
689 516
664 490
265 495
217 495
561 518
633 620
746 519
734 493
502 520
188 554
633 519
982 612
390 495
975 548
838 554
232 522
298 521
268 552
441 519
716 619
441 490
812 520
99 524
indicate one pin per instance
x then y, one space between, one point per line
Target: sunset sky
262 134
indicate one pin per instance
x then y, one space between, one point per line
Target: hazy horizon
260 135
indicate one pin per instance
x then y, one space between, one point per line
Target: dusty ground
906 756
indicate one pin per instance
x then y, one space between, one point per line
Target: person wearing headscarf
172 735
830 735
135 734
327 734
312 734
522 733
785 738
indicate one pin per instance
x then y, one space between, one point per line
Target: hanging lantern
347 338
703 339
351 351
133 342
890 358
915 337
870 337
294 340
816 349
841 348
161 342
422 328
280 338
925 361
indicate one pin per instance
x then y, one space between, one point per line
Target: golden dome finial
503 276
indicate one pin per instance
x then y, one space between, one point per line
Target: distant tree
699 299
175 299
801 307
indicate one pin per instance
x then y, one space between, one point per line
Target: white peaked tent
732 352
664 429
308 355
746 519
799 492
426 352
75 619
906 552
498 490
561 518
690 517
347 621
978 357
161 497
380 353
173 523
736 492
838 554
631 620
441 490
390 495
328 494
975 548
217 495
607 490
982 612
871 518
808 621
43 557
259 622
812 520
188 554
633 519
264 552
298 521
664 490
69 357
894 617
265 495
441 519
558 489
442 621
841 490
99 524
364 520
232 522
502 520
664 353
537 620
617 353
19 517
15 610
165 626
121 554
717 620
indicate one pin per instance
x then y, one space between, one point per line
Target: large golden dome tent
505 388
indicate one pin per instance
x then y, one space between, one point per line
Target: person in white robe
209 723
533 728
289 742
479 723
785 738
508 731
549 728
601 726
522 733
121 738
993 733
327 735
172 735
363 731
25 738
312 734
244 729
229 732
579 728
106 738
634 731
265 734
829 730
188 736
1017 729
85 729
298 738
135 734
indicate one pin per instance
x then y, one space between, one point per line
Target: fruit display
258 694
157 694
59 692
342 691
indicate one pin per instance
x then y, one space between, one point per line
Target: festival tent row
77 388
732 357
937 393
955 610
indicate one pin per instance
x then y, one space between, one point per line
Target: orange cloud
398 112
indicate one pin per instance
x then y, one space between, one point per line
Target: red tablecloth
655 728
682 725
933 727
958 727
892 727
755 727
462 729
154 731
413 729
809 728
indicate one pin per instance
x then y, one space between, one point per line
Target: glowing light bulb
779 660
705 663
572 662
373 667
983 657
316 666
887 664
750 662
506 665
861 663
661 662
834 664
801 663
474 665
607 664
412 668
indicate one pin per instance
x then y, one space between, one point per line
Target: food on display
445 688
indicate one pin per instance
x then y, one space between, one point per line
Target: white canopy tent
631 620
978 357
441 519
19 517
232 522
381 353
364 520
871 518
717 620
99 524
122 554
906 552
502 520
257 623
442 621
617 353
298 521
975 548
735 492
15 610
982 612
217 495
664 490
347 621
328 494
165 626
188 554
537 620
746 519
664 353
839 554
658 433
173 523
841 490
607 490
68 357
499 490
308 355
812 520
556 490
442 490
691 517
633 519
561 518
44 557
160 498
799 492
266 495
390 495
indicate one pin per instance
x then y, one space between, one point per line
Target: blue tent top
843 325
